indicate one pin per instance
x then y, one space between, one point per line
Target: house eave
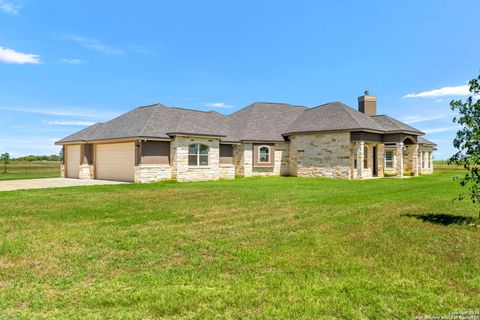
186 134
334 131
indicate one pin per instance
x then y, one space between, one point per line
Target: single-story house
156 142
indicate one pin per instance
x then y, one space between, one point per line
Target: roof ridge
152 105
324 104
345 109
278 103
189 109
149 120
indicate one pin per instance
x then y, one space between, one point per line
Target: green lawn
30 170
259 248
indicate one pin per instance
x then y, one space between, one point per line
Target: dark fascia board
173 134
113 139
154 139
261 141
415 133
333 131
61 143
106 139
230 142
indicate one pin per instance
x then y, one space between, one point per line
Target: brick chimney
367 104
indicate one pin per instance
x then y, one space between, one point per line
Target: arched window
197 154
264 154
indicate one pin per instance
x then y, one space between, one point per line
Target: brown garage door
115 161
72 154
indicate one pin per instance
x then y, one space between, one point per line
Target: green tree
5 158
467 141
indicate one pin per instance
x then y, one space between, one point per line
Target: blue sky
66 64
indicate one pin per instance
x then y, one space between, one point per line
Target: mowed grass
259 248
30 170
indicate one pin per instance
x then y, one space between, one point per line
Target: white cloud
12 56
22 146
441 129
417 119
70 123
9 7
96 45
66 111
71 61
217 105
445 91
441 140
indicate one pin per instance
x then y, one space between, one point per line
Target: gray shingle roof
263 121
155 121
392 125
422 140
330 117
260 121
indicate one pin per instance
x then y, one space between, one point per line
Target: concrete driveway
50 183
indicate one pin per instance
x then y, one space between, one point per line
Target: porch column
431 160
415 160
420 162
380 160
399 159
86 166
360 158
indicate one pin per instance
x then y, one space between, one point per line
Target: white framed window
197 155
263 154
389 159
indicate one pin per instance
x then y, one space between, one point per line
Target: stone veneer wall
320 155
409 162
398 161
86 172
227 171
367 172
150 173
243 161
183 172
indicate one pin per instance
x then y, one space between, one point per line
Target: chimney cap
366 92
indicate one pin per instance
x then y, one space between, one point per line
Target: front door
375 162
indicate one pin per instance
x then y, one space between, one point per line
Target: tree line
52 157
5 158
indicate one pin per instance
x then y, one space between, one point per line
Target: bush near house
263 248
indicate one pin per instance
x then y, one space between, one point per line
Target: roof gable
392 125
330 117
